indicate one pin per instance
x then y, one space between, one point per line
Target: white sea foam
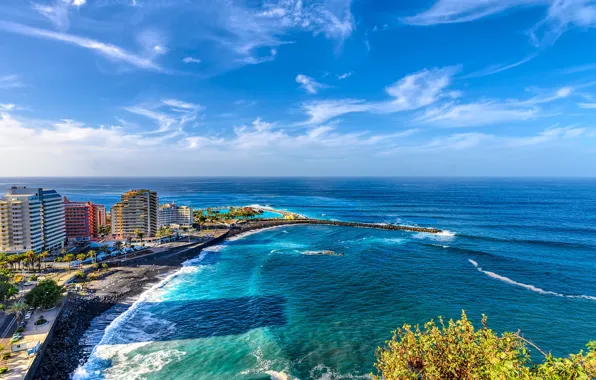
322 372
139 365
443 236
526 286
106 347
279 375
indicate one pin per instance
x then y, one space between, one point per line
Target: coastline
132 279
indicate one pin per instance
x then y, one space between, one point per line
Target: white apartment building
172 214
31 219
136 211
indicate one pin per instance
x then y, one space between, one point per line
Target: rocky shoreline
64 353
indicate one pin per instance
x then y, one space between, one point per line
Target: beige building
171 214
137 210
31 219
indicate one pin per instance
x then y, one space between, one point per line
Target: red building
83 219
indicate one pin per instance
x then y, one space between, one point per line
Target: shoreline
65 353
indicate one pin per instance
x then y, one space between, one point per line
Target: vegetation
139 234
41 321
232 214
17 308
7 290
3 370
164 231
44 295
457 351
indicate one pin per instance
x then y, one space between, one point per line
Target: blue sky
291 87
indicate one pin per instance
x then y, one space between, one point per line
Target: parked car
28 315
17 336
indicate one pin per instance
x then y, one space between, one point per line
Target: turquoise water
522 252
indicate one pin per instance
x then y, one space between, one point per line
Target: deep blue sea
523 252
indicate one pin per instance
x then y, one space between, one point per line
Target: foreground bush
457 351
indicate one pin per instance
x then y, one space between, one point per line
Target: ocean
521 251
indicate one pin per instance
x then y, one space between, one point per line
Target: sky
298 88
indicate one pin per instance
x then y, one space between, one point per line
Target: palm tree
17 309
93 255
81 257
30 258
139 234
43 255
118 245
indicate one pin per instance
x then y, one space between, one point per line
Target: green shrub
33 278
21 329
457 351
44 295
80 274
3 370
5 355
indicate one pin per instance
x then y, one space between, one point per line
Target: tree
139 234
69 257
7 290
43 256
44 295
17 309
457 351
29 258
93 255
81 257
118 245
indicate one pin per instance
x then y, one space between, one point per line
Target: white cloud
561 15
10 81
7 107
344 75
58 13
169 114
309 84
476 114
550 134
587 105
409 93
495 69
242 32
109 51
191 60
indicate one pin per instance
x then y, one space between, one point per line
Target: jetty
266 223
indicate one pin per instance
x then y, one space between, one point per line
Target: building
137 210
31 219
83 219
172 214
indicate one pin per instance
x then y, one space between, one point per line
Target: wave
443 236
526 286
106 348
552 243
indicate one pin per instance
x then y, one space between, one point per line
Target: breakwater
278 222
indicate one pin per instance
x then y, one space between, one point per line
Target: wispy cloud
169 114
495 69
109 51
344 75
243 30
409 93
488 112
561 15
309 84
191 60
7 107
476 114
587 105
10 81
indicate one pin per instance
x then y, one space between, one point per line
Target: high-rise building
83 219
31 219
172 214
137 210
